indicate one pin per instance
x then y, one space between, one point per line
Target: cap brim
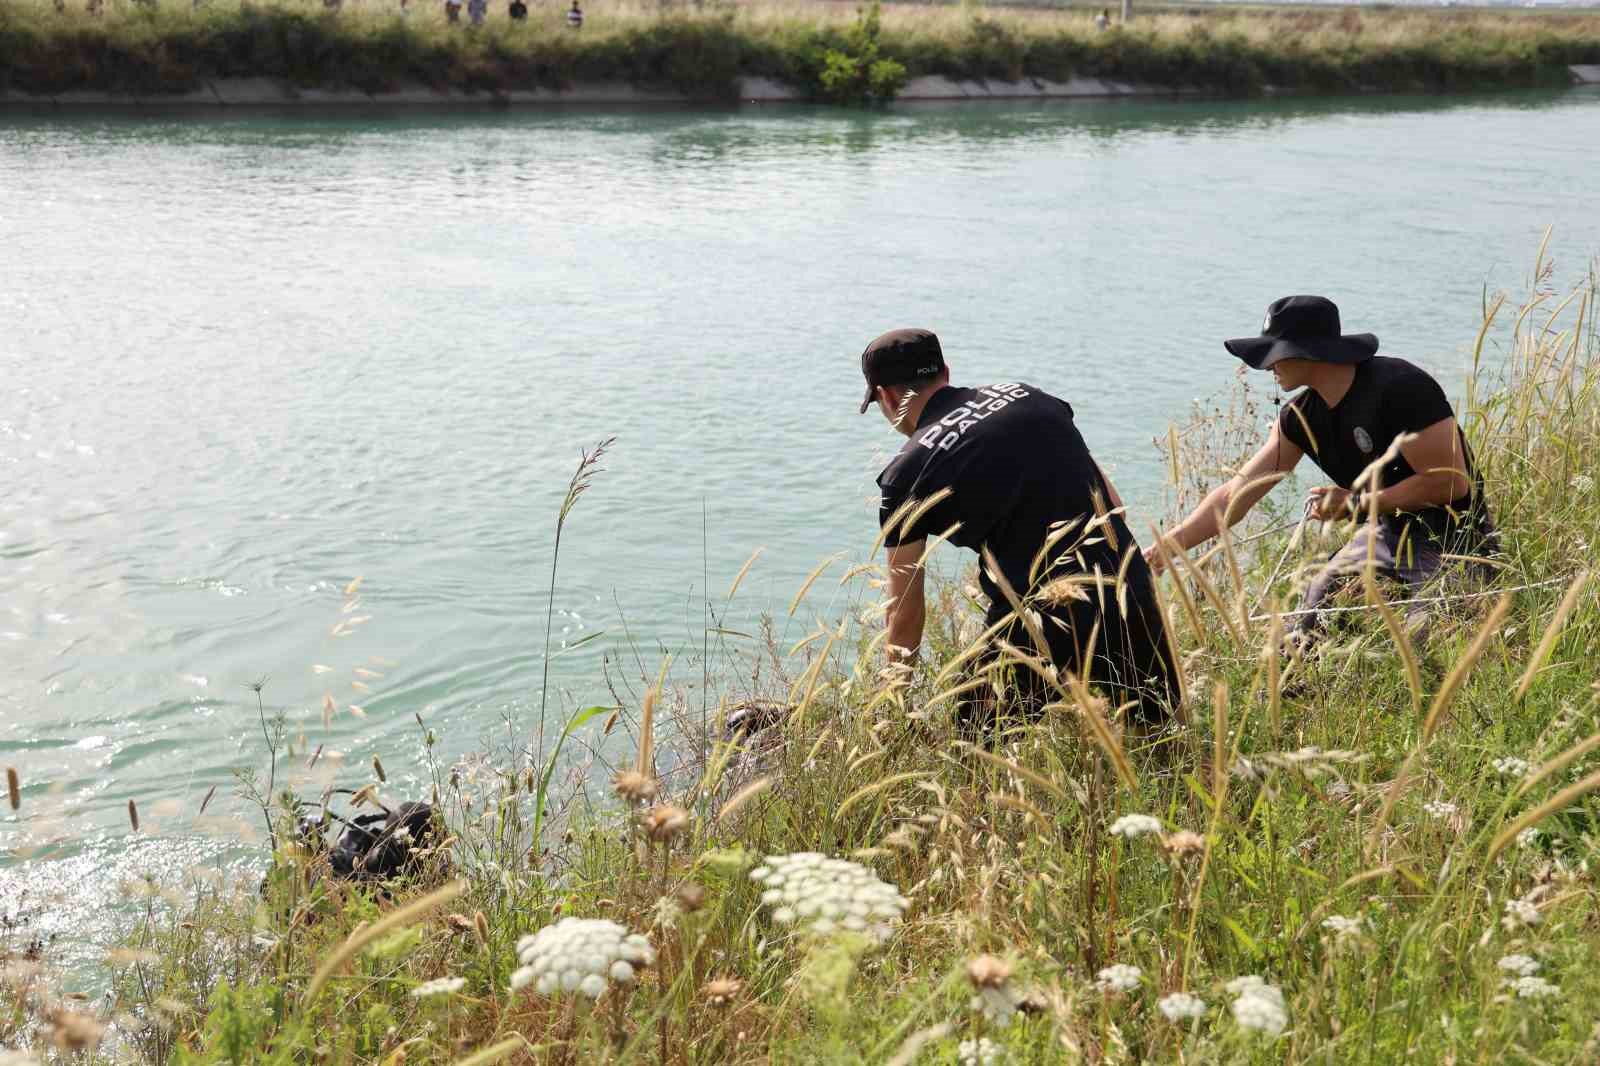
1260 353
866 403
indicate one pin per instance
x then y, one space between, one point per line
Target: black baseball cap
899 356
1303 327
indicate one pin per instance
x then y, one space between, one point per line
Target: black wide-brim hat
1303 327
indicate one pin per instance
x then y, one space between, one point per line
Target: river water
245 360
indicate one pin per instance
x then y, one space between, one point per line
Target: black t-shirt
519 10
1388 397
1016 467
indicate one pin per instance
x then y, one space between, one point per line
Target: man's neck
1332 382
912 414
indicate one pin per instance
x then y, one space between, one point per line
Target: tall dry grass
1357 873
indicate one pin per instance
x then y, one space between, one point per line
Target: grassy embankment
824 49
1364 846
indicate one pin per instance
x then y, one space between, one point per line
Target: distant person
405 8
477 11
1356 409
519 11
574 16
1003 470
452 10
1102 21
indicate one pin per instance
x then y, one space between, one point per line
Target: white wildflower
979 1052
1338 790
1533 988
584 955
1583 483
1250 983
1118 978
1521 965
1258 1005
1510 766
439 986
1528 838
1439 808
1135 825
827 895
1521 912
998 1005
1181 1006
1342 927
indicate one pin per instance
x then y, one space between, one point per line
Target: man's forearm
1418 491
1205 520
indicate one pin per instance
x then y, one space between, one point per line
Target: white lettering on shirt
948 431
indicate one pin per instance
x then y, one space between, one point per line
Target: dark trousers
1415 563
1130 660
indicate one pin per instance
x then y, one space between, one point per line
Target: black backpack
377 846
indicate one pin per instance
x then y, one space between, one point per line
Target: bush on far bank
831 52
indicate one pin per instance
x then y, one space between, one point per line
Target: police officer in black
1358 410
1002 469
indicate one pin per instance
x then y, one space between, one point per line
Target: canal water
247 360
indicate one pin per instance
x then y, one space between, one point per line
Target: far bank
388 53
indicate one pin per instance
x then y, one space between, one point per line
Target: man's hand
1330 503
1153 556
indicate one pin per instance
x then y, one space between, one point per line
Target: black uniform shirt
1388 397
1016 467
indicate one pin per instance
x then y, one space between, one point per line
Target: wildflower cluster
1511 766
1135 825
994 998
439 986
1258 1005
1439 809
584 955
1118 978
1521 912
1533 988
979 1052
1181 1007
827 895
1341 927
1521 965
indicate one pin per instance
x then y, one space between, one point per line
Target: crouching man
1357 410
1002 469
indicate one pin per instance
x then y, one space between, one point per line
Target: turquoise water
246 360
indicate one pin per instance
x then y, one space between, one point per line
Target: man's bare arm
1233 499
907 608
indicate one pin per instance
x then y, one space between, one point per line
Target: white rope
1294 542
1416 599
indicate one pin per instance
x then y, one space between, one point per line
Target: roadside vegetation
1395 862
832 52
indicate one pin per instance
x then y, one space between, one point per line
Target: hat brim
1260 353
866 403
